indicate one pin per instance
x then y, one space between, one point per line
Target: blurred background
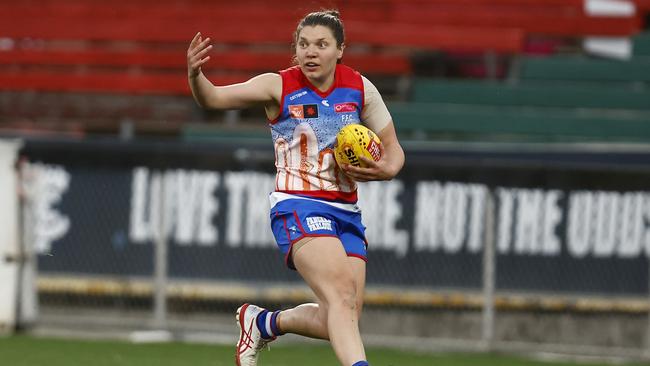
520 223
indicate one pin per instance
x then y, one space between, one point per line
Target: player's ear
339 56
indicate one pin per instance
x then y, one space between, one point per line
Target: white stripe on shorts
276 197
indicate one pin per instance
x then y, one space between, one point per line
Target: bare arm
376 116
262 89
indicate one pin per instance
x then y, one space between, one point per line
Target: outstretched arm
262 89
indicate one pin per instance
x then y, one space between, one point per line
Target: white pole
160 264
489 268
10 252
646 352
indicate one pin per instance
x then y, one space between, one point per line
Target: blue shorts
294 219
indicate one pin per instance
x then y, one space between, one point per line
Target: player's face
317 53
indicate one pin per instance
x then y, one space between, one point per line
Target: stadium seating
585 69
80 36
535 18
550 98
641 45
531 94
487 123
77 37
643 5
138 47
151 71
554 98
527 112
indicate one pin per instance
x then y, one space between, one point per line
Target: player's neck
323 85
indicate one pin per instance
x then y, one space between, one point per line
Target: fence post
160 258
491 61
646 351
10 253
489 271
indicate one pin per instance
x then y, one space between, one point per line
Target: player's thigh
324 265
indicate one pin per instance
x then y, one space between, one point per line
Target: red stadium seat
533 19
139 46
153 71
643 5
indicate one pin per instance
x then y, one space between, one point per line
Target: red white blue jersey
305 131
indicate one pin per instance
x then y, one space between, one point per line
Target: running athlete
314 216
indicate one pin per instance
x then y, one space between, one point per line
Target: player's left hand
374 170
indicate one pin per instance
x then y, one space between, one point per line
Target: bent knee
343 293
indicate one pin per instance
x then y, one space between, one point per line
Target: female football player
314 216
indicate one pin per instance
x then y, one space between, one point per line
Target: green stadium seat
641 45
529 110
584 69
531 93
510 123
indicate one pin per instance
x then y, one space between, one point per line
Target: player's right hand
196 54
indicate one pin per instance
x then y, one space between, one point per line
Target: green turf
28 351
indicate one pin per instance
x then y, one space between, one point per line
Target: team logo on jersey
303 111
346 107
296 111
311 110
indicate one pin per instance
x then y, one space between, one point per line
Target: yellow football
354 141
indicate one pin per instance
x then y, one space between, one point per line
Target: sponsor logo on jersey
346 107
319 223
298 95
325 103
303 111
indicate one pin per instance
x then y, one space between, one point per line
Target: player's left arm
376 117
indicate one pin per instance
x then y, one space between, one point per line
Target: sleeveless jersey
304 134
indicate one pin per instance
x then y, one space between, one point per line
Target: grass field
28 351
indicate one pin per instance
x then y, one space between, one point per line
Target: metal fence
484 247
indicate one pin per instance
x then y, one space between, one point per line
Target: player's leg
310 319
325 266
313 320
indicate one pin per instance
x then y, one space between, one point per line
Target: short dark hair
327 18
